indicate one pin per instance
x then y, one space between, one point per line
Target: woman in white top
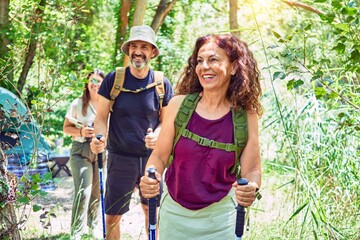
78 123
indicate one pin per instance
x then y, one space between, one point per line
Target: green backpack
240 130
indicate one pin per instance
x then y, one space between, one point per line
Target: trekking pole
100 163
152 202
240 215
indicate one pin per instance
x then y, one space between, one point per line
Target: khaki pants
85 212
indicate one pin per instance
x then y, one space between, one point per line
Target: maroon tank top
200 176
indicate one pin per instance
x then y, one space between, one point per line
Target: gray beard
139 66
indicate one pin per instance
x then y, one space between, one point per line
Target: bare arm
101 125
250 164
160 156
70 129
151 139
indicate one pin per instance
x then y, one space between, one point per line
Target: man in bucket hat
134 125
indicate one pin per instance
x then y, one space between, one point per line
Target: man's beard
138 65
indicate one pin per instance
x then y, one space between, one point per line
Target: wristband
80 131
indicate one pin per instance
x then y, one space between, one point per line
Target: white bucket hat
141 33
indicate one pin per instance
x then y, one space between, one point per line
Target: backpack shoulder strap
183 116
160 89
117 86
240 136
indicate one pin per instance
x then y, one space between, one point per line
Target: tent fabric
20 139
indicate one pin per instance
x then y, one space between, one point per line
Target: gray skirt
216 221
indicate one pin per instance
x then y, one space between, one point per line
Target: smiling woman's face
213 67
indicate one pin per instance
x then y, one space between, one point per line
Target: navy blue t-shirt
133 113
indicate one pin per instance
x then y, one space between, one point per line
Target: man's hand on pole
150 139
98 146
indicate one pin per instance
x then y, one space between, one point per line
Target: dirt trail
59 202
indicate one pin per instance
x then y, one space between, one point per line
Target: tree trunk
7 75
139 13
233 18
161 12
122 25
137 20
31 50
8 184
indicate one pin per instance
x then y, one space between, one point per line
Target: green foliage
318 121
310 65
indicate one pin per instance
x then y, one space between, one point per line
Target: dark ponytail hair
86 94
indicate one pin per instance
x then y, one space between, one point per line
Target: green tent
19 131
20 139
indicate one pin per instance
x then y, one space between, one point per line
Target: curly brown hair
244 90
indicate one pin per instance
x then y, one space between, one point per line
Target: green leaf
343 26
336 4
297 211
340 48
350 11
36 178
320 1
276 34
341 115
36 208
307 27
43 193
298 83
289 37
320 92
47 177
333 95
328 17
280 75
315 218
25 200
35 187
23 179
290 84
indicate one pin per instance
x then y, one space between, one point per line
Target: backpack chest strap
207 142
151 85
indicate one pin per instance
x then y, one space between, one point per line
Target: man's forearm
100 126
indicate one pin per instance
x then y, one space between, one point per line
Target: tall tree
233 17
31 49
138 19
6 69
162 11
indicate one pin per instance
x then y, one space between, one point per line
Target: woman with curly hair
200 190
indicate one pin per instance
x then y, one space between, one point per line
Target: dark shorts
123 174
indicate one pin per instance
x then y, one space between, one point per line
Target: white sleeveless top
74 113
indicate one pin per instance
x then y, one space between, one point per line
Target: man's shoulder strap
160 89
118 84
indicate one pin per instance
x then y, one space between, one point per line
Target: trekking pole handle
100 160
240 216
